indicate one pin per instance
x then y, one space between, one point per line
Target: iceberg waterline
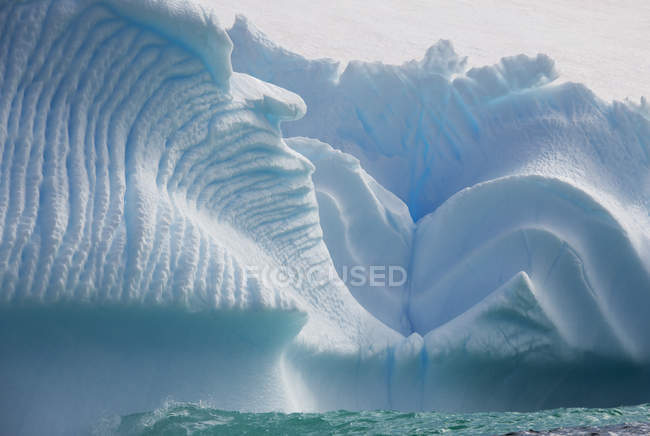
141 178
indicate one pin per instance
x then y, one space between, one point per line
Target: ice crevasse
146 188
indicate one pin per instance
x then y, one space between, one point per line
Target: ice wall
143 183
529 265
434 132
134 172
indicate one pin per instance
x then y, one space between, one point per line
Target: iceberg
136 174
430 128
180 204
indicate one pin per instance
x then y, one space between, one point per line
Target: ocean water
198 419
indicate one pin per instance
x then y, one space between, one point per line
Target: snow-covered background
602 43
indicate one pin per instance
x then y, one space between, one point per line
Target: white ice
147 193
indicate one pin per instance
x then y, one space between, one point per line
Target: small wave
187 418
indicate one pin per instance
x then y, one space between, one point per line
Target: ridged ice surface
159 239
131 173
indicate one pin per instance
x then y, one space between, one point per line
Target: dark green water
185 419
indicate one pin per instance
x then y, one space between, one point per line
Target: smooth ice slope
588 278
364 226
